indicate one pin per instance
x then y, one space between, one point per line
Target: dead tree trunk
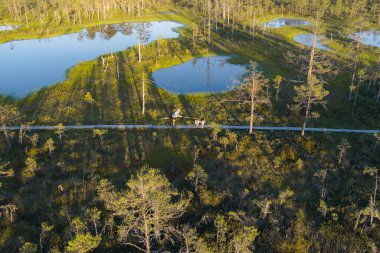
306 117
253 92
143 94
355 100
310 81
139 51
7 135
355 64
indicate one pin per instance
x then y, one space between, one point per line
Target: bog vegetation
200 190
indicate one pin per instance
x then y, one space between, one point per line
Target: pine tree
147 208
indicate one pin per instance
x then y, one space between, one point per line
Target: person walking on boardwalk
175 116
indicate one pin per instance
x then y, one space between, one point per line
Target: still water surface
281 22
307 40
207 74
370 38
8 27
28 65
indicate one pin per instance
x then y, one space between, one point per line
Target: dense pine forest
205 188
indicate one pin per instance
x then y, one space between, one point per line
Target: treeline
247 14
244 12
241 9
74 11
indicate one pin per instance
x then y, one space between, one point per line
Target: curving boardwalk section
157 127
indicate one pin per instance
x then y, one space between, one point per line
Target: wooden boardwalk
184 127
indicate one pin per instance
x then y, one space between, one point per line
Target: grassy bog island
189 126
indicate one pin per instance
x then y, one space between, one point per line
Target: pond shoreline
208 74
59 54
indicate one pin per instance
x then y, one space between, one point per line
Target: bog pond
28 65
8 27
369 38
281 22
307 40
207 74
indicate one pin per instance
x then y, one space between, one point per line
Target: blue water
307 40
28 65
369 38
208 74
281 22
8 27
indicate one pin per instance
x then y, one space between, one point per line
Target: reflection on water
208 74
166 12
369 38
307 40
281 22
8 27
33 64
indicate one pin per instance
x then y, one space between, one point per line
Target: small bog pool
369 38
208 74
307 40
8 27
281 22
